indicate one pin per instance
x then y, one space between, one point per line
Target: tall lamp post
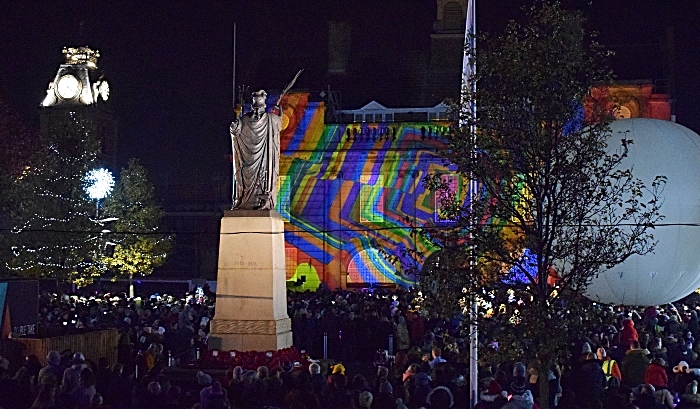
468 70
98 185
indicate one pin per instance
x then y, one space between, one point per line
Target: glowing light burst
99 183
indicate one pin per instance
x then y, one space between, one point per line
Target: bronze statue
255 138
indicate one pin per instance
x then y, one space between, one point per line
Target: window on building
369 267
372 198
284 196
389 117
358 118
452 181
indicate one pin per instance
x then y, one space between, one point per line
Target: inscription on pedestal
244 264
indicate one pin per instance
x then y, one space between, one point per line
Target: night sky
170 62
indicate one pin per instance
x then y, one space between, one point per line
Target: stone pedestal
251 293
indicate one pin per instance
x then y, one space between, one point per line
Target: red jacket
628 334
656 376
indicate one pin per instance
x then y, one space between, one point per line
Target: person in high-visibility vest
610 367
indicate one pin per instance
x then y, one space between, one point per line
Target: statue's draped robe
256 152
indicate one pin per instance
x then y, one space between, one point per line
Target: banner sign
19 307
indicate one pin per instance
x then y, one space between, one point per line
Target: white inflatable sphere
672 271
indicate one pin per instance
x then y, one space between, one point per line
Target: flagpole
233 66
468 69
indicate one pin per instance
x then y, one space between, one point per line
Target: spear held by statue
288 87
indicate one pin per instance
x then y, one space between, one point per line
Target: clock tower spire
80 86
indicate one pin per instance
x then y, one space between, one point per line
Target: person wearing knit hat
493 397
586 349
203 379
519 370
521 397
366 400
72 374
494 388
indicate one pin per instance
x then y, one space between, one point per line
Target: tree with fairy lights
17 144
54 229
553 204
139 246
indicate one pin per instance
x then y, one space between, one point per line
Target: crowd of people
382 351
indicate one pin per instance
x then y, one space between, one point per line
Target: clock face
622 112
68 87
103 89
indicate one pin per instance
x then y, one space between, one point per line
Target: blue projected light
527 262
576 123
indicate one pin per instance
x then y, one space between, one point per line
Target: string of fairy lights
338 230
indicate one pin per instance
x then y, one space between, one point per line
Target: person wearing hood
53 367
628 334
520 395
71 375
673 327
634 365
655 375
690 399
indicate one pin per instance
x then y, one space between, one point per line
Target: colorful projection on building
350 193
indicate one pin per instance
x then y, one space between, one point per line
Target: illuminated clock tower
79 86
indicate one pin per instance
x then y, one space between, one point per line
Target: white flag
469 43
